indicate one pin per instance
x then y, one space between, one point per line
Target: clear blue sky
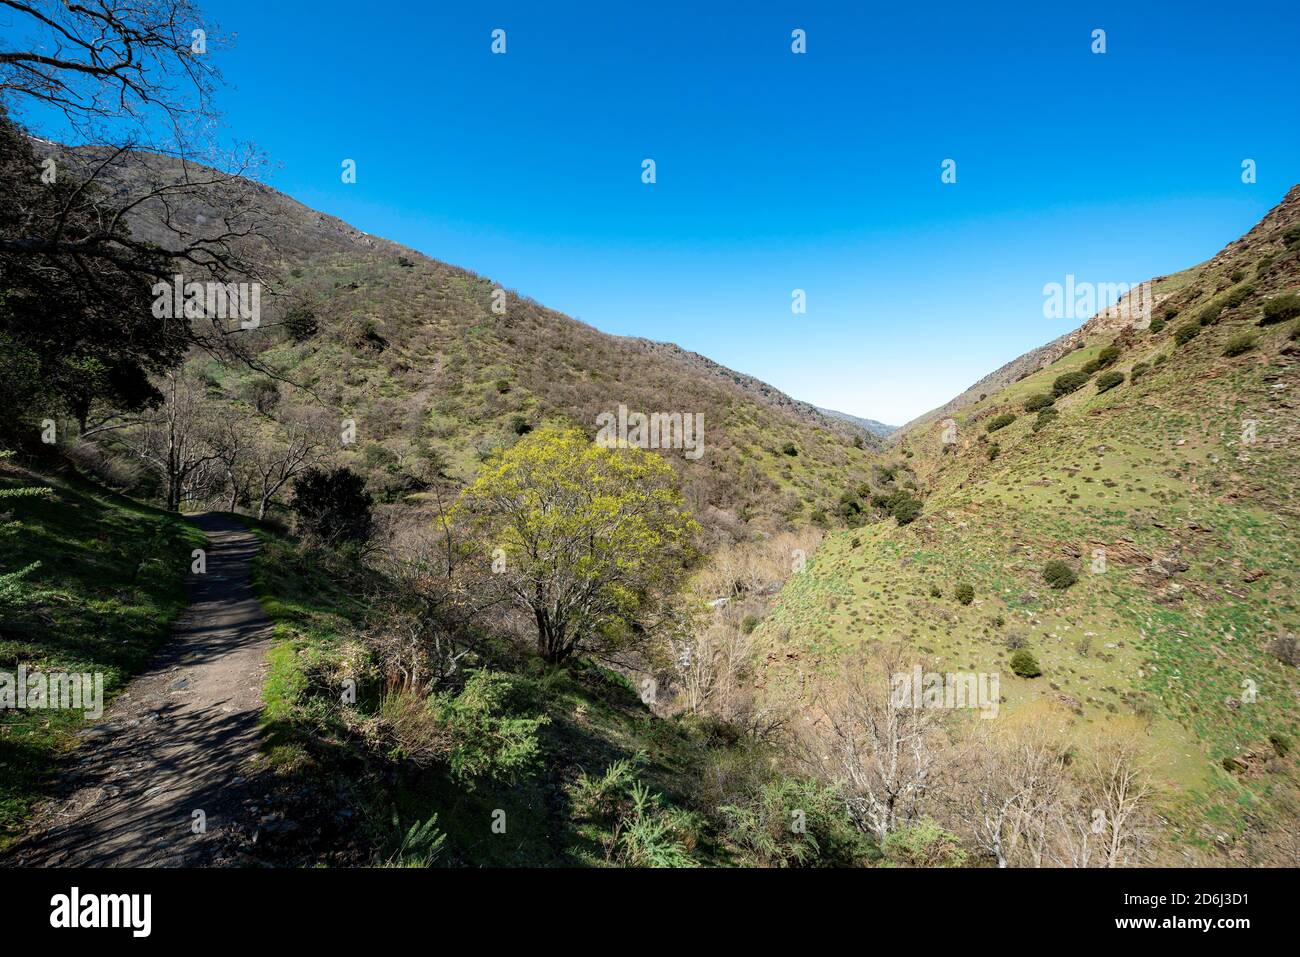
778 171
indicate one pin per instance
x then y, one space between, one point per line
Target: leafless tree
881 749
172 441
275 461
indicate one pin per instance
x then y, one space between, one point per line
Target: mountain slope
437 366
1170 495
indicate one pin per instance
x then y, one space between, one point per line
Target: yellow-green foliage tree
588 540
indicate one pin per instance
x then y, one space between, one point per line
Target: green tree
332 506
588 540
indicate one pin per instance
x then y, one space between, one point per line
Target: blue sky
779 171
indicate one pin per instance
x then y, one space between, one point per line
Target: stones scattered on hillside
1167 566
1254 575
1072 703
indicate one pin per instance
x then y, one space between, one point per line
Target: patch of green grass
110 583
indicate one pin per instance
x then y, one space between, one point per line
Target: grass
109 586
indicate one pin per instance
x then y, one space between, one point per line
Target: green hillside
1179 522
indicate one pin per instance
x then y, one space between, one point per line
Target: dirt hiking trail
178 740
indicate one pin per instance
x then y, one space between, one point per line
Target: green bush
332 507
748 624
1280 309
1039 401
1239 344
1000 422
994 451
795 822
789 448
637 826
1059 575
1109 380
905 509
1292 237
1069 382
1108 357
1158 323
924 844
1187 332
1210 314
486 739
1045 418
1239 295
964 593
1138 371
936 591
1024 664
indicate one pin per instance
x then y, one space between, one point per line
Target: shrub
1000 422
418 846
964 593
789 448
1187 332
1040 401
1209 315
994 451
905 508
332 507
762 826
1107 357
300 323
748 624
1239 344
502 386
924 844
652 835
1024 664
487 739
1090 367
1059 575
1239 295
1109 380
1292 237
936 591
1280 309
638 830
1158 323
1069 382
1045 418
1138 371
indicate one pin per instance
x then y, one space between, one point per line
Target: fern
421 845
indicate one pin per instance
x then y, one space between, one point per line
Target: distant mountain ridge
878 429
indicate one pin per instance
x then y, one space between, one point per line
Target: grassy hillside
110 582
1180 524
